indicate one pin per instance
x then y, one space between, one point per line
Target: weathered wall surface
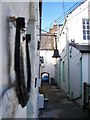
79 68
32 106
75 73
74 21
76 66
86 67
9 105
73 28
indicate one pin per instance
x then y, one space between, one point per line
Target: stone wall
9 104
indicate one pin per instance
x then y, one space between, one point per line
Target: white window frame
86 29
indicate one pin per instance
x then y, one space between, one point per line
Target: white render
72 30
86 68
9 106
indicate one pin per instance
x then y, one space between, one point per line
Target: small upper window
83 22
84 32
84 37
87 26
88 22
88 37
88 32
86 29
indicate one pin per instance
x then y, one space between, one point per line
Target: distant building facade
47 51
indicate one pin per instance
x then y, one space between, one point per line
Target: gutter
81 76
68 60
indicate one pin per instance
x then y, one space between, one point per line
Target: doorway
45 77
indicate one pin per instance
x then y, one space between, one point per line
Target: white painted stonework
9 105
73 31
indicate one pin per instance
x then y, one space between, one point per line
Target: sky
53 10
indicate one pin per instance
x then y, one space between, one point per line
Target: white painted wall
64 83
75 80
32 106
0 60
73 27
9 106
86 67
73 30
74 23
89 68
75 72
9 100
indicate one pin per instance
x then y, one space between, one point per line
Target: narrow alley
45 59
59 106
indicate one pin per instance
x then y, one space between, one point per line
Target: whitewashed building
74 46
47 51
19 61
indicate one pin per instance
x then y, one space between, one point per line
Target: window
86 29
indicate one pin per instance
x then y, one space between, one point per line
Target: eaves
81 48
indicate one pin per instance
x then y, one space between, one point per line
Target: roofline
81 48
77 7
69 14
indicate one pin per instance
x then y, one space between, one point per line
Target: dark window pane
88 37
84 37
84 27
83 21
88 27
84 32
88 32
88 22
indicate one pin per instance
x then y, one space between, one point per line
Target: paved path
59 106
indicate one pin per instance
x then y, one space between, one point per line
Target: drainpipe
68 71
59 73
81 76
67 48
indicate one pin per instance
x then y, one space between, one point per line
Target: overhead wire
76 14
62 17
63 8
79 12
73 16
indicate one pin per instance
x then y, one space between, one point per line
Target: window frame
86 29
